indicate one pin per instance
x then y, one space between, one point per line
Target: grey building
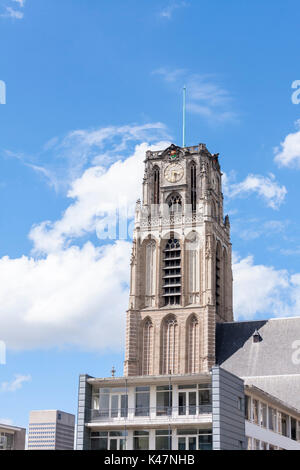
12 437
51 430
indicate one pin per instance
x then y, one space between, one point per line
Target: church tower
181 277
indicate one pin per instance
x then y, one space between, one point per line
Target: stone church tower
181 277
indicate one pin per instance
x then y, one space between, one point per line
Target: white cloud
276 292
97 193
15 384
12 13
74 295
265 187
61 161
288 154
168 11
253 228
205 96
77 296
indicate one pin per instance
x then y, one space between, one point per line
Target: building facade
174 394
181 278
51 430
12 437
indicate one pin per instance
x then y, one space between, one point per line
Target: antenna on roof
183 117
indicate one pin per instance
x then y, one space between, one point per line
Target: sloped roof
272 363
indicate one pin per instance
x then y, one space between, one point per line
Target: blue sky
89 87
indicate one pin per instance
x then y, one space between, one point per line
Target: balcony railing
151 412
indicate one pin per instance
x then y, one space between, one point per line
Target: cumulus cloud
70 294
15 384
265 187
288 154
277 293
76 296
97 195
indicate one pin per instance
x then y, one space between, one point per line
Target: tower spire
183 116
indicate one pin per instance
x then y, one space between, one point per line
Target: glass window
293 429
284 425
187 439
163 440
163 400
263 415
256 444
247 408
182 403
205 440
142 401
249 443
272 419
104 402
255 410
99 444
124 406
141 440
204 394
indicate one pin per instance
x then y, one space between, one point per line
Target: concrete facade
51 430
182 201
12 437
228 405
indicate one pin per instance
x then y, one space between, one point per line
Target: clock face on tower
174 172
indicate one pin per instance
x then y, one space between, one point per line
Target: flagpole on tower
183 126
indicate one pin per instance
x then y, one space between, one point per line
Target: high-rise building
51 430
12 437
186 384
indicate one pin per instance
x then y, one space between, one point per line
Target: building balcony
151 416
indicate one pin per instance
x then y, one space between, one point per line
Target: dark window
142 401
156 185
163 400
163 440
193 187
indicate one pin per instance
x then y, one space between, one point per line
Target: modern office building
51 430
193 378
12 437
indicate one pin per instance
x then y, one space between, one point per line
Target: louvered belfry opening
172 272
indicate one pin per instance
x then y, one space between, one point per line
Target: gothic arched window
218 278
172 272
156 185
175 203
193 187
170 345
193 267
150 281
224 281
147 353
193 345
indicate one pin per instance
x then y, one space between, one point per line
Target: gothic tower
181 277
